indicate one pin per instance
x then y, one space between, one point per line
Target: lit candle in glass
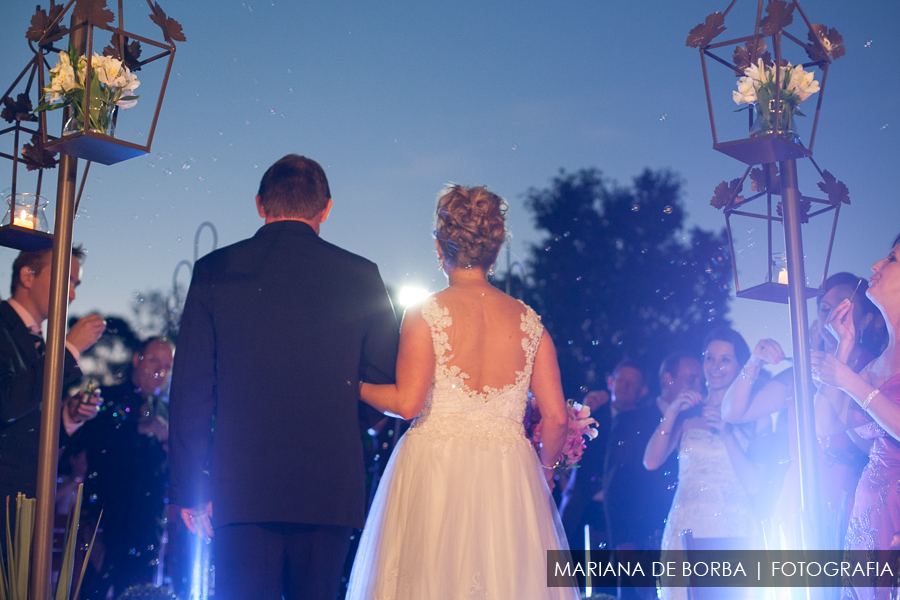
783 276
24 220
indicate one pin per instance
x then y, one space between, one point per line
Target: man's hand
199 520
156 426
75 412
86 331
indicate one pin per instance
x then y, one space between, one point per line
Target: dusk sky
396 99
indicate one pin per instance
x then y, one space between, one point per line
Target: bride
464 507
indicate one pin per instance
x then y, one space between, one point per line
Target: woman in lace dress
870 404
464 508
715 476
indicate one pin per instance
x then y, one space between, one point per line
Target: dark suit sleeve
193 395
382 340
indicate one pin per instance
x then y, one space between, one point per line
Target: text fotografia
723 568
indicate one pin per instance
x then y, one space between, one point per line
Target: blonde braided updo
470 225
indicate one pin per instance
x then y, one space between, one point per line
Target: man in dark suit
22 369
278 330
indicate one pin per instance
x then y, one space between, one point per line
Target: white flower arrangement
758 87
112 84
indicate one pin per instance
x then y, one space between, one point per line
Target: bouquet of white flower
112 85
757 88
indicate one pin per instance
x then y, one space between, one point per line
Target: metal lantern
823 45
765 208
25 226
93 17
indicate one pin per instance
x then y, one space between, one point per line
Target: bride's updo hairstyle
470 225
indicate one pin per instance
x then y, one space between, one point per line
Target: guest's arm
666 435
740 405
415 371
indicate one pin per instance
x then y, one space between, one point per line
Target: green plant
15 570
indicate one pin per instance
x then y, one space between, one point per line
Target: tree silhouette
616 275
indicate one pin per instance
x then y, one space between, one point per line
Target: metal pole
53 362
811 521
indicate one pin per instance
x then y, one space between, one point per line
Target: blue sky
395 99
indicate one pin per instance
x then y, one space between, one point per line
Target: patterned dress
876 512
463 510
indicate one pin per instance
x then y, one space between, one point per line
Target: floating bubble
584 389
883 127
662 117
595 342
515 146
167 171
578 279
272 111
668 210
635 208
868 44
570 342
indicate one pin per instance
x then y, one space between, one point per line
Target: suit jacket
636 500
276 334
21 386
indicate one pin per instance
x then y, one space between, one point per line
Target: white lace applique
478 589
452 409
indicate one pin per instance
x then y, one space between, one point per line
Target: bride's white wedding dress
463 510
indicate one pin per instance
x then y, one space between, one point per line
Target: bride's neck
475 276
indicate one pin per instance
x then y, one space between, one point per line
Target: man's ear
259 207
26 277
325 212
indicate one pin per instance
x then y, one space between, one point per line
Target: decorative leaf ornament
35 155
836 191
780 14
726 194
749 54
758 180
18 110
93 11
829 39
40 26
170 27
132 52
705 32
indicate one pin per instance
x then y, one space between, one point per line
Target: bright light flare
410 295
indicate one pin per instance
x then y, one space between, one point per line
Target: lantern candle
24 220
783 276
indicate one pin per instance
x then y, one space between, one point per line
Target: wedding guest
22 366
126 449
715 474
631 493
678 371
839 460
868 402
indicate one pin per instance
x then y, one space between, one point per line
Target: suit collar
296 227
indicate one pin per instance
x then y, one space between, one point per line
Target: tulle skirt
459 517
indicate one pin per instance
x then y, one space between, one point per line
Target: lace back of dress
484 346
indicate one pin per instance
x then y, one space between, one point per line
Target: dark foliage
616 274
